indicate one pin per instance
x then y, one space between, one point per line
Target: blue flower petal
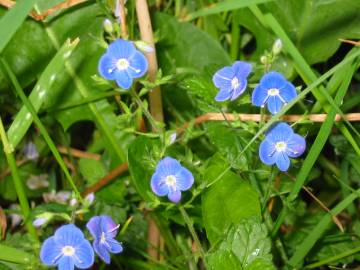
138 65
174 196
274 104
279 132
296 146
239 90
121 48
84 255
222 78
114 246
242 69
123 79
50 251
184 179
101 251
108 226
168 166
288 92
273 80
259 96
69 235
223 95
107 67
66 263
282 161
93 226
267 152
158 185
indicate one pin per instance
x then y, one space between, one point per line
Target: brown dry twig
352 42
78 153
45 14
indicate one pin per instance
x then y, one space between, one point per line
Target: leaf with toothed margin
23 119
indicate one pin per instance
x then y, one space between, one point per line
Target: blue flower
104 230
231 80
274 90
281 143
122 62
170 178
67 248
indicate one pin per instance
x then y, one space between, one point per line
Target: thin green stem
333 258
19 187
41 127
191 228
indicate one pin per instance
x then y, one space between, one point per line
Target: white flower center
235 83
122 64
68 251
103 238
280 146
170 181
273 92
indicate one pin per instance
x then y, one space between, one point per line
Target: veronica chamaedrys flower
170 178
122 62
67 248
273 90
231 80
280 144
104 230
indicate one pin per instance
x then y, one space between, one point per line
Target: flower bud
277 47
263 60
108 27
143 46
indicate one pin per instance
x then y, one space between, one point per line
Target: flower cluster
281 143
68 247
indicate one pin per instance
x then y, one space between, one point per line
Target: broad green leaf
92 170
229 142
238 202
142 160
245 246
13 19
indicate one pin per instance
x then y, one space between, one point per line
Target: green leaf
238 201
246 246
92 170
24 119
15 255
142 158
13 19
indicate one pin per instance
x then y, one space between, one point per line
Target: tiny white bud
143 46
173 138
39 222
31 152
277 47
90 198
73 202
263 60
108 26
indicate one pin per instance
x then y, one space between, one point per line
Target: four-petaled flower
170 178
67 248
281 143
274 90
122 62
104 230
232 80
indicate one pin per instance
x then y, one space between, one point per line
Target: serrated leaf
246 246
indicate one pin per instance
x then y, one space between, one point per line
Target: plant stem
41 127
191 228
24 204
333 258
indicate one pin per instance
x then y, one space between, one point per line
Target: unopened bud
108 26
263 60
90 198
143 46
277 47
